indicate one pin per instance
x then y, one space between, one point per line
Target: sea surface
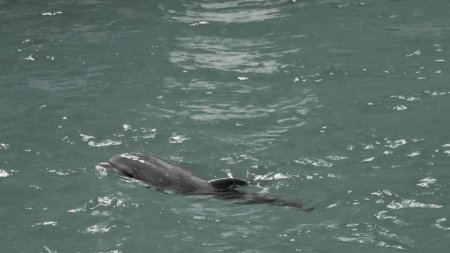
343 104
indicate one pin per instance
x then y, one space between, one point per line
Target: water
341 103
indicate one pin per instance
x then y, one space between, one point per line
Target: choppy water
344 104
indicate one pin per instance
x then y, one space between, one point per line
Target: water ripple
419 30
365 233
213 112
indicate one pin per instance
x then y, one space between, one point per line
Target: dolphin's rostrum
163 175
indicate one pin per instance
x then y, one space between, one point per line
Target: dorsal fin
226 184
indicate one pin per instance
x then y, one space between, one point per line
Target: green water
343 104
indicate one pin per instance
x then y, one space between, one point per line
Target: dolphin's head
124 163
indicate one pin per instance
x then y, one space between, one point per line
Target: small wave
46 223
104 143
4 146
439 224
178 138
411 203
425 182
3 173
314 162
272 176
100 228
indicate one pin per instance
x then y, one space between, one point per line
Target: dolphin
163 175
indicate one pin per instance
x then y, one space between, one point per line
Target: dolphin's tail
265 199
254 198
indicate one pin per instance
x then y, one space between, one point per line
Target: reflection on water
241 11
236 101
227 54
222 53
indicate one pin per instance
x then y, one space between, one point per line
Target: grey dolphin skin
163 175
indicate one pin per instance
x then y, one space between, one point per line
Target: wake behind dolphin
163 175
